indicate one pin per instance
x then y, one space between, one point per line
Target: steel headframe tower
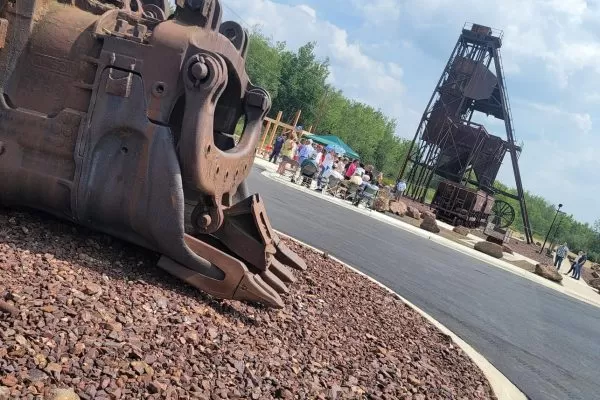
447 144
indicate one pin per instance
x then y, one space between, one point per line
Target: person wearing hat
577 264
561 253
580 262
306 151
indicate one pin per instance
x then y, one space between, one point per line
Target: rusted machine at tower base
461 205
118 118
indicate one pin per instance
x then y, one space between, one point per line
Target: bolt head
258 99
205 220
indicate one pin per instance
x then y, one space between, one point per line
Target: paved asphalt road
546 343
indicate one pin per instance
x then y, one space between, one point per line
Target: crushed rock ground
83 311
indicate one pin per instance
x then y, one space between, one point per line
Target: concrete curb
503 388
442 241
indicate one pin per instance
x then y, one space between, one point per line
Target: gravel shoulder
94 314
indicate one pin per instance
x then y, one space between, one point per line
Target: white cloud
593 97
575 9
308 10
358 75
378 11
395 70
583 121
550 33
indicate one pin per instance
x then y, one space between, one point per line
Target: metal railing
495 32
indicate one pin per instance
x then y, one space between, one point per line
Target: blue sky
390 54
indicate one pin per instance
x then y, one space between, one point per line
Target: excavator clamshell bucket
119 118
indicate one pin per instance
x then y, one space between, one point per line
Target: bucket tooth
253 288
286 256
237 281
273 280
282 272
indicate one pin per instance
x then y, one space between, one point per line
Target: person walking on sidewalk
575 266
577 274
561 253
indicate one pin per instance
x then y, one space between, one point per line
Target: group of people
576 265
296 153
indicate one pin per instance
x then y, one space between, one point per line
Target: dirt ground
87 312
521 247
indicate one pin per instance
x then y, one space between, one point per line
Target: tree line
579 236
298 81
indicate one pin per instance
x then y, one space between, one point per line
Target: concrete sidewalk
577 289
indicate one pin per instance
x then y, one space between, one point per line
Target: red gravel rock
96 316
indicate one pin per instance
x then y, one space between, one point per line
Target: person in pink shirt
351 169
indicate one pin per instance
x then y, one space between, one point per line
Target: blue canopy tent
332 140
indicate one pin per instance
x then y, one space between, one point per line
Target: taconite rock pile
94 314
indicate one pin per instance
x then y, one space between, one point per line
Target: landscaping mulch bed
80 310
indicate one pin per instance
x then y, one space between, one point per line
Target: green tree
301 83
263 62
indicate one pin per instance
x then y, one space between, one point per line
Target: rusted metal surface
460 205
117 118
3 31
447 143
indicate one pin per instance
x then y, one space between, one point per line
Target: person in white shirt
319 154
400 188
327 163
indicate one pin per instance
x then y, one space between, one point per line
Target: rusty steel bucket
119 118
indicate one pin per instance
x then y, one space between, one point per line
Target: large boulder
381 204
382 201
427 213
461 230
429 224
548 272
595 267
413 212
489 248
595 283
398 208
